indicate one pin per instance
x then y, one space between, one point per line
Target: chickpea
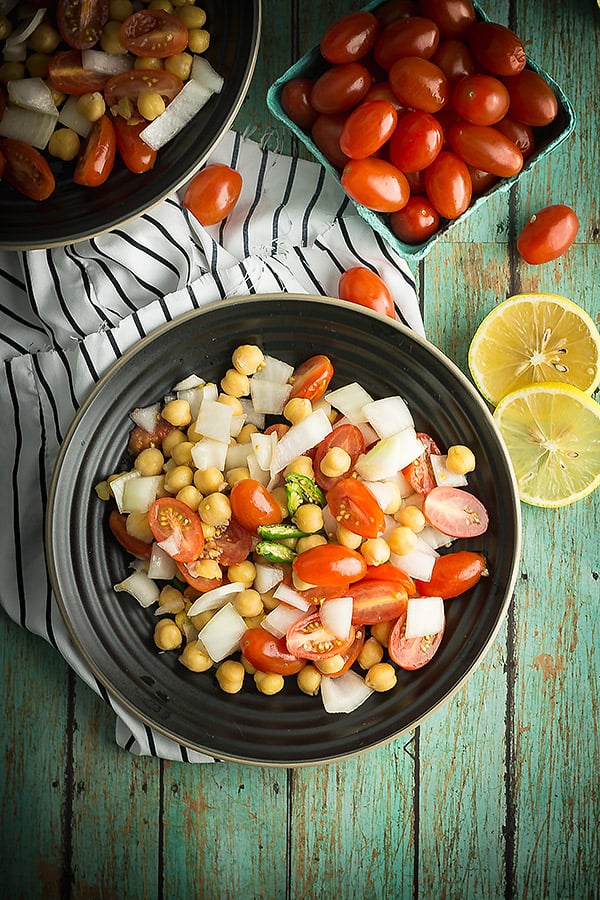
245 435
207 568
45 38
302 465
230 675
348 538
199 620
248 603
148 62
5 27
165 5
149 461
336 461
151 105
269 601
91 106
371 653
381 632
460 459
402 540
170 600
11 71
193 17
64 144
215 509
198 40
190 495
177 412
381 677
233 402
171 440
331 665
248 667
182 454
177 478
309 680
244 572
119 10
209 481
167 635
297 409
103 491
235 384
239 473
311 540
137 526
299 584
268 682
309 518
109 39
179 64
37 64
280 497
411 517
254 621
375 551
195 658
248 359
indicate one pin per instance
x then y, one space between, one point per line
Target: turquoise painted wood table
497 794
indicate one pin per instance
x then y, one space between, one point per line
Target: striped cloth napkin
66 314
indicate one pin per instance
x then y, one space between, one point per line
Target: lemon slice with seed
532 338
552 433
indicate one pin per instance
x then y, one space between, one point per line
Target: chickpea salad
280 529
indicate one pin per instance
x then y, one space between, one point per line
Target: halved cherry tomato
481 99
308 638
135 153
232 545
367 128
353 505
453 574
117 522
129 85
365 287
409 36
453 17
295 101
169 518
200 583
331 565
67 75
311 379
416 222
389 572
269 654
375 183
153 33
376 601
350 439
496 48
351 654
253 505
416 141
212 193
340 88
548 234
455 512
326 132
484 147
419 83
419 473
80 22
448 184
411 653
349 38
96 160
140 439
532 100
26 169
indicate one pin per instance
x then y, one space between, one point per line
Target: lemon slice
532 338
552 433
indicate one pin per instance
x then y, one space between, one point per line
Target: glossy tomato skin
330 565
448 184
117 522
454 59
407 36
96 161
484 147
169 517
391 10
212 194
419 473
532 100
231 545
376 601
455 512
453 17
350 439
411 653
308 639
367 128
253 505
376 184
418 221
381 90
365 287
67 75
389 572
481 181
295 101
419 83
312 378
268 653
519 133
353 506
135 152
416 141
453 574
326 133
340 88
481 99
548 234
496 48
349 38
80 22
26 169
137 81
153 33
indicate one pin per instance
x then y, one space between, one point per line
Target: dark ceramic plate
115 635
74 213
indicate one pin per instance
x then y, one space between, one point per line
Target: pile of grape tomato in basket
280 528
87 82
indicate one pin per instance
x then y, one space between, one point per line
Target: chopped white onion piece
237 423
388 415
26 28
258 474
161 565
238 455
344 693
389 455
70 117
140 493
117 486
27 125
274 370
214 420
368 432
280 619
15 52
424 615
106 63
350 400
418 563
252 416
144 589
268 576
204 74
180 111
215 598
443 475
269 397
222 634
263 446
32 93
194 397
299 438
383 491
207 452
189 383
146 417
172 543
435 538
336 615
288 595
